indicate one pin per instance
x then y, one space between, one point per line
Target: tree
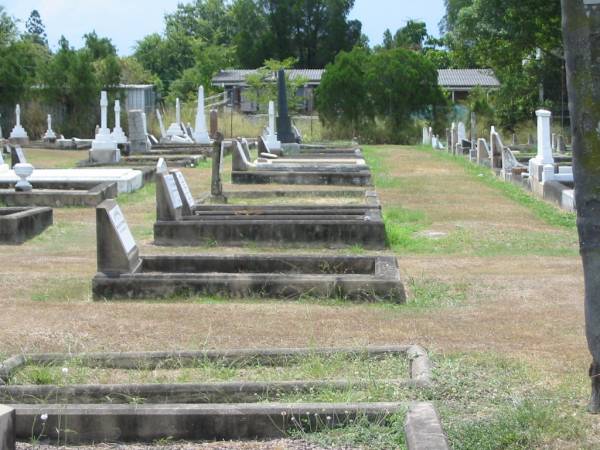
99 47
250 40
36 29
69 79
262 85
8 29
581 32
343 95
206 20
412 36
402 83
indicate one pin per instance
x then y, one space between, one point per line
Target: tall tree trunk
581 34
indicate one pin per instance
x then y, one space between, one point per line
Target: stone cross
18 115
200 133
104 148
118 134
284 124
103 111
50 135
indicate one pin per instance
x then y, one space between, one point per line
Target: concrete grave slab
59 194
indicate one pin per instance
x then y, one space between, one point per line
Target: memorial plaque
120 225
173 192
189 198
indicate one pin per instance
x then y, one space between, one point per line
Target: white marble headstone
173 191
189 198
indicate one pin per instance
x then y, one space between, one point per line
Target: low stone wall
60 194
360 178
7 428
18 224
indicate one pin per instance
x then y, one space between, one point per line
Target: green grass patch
428 292
146 194
63 290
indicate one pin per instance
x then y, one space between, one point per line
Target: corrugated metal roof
236 76
467 78
447 78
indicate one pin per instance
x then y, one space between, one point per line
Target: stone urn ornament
23 171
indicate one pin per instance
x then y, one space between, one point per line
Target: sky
128 21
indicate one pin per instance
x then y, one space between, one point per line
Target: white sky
127 21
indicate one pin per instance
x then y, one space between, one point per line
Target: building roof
238 76
467 78
452 79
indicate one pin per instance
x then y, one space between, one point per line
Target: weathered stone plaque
185 189
117 219
173 192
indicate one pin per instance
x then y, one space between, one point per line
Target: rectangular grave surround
357 278
224 410
181 221
19 224
123 274
59 194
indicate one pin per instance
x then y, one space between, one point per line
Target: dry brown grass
525 306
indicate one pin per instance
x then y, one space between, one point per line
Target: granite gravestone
284 124
138 140
117 250
168 201
184 193
17 156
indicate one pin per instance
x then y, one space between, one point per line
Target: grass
542 209
314 367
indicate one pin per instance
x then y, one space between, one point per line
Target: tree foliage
36 30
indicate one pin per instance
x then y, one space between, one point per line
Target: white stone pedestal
271 139
18 134
104 148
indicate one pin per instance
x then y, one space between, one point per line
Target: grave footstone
284 124
117 250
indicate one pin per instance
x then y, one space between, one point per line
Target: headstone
168 201
514 139
553 142
496 148
175 128
271 141
453 137
104 148
118 135
426 136
184 192
18 134
17 156
117 252
161 166
138 141
214 122
543 163
200 133
473 128
145 126
561 144
49 136
163 133
461 132
530 140
284 124
216 186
